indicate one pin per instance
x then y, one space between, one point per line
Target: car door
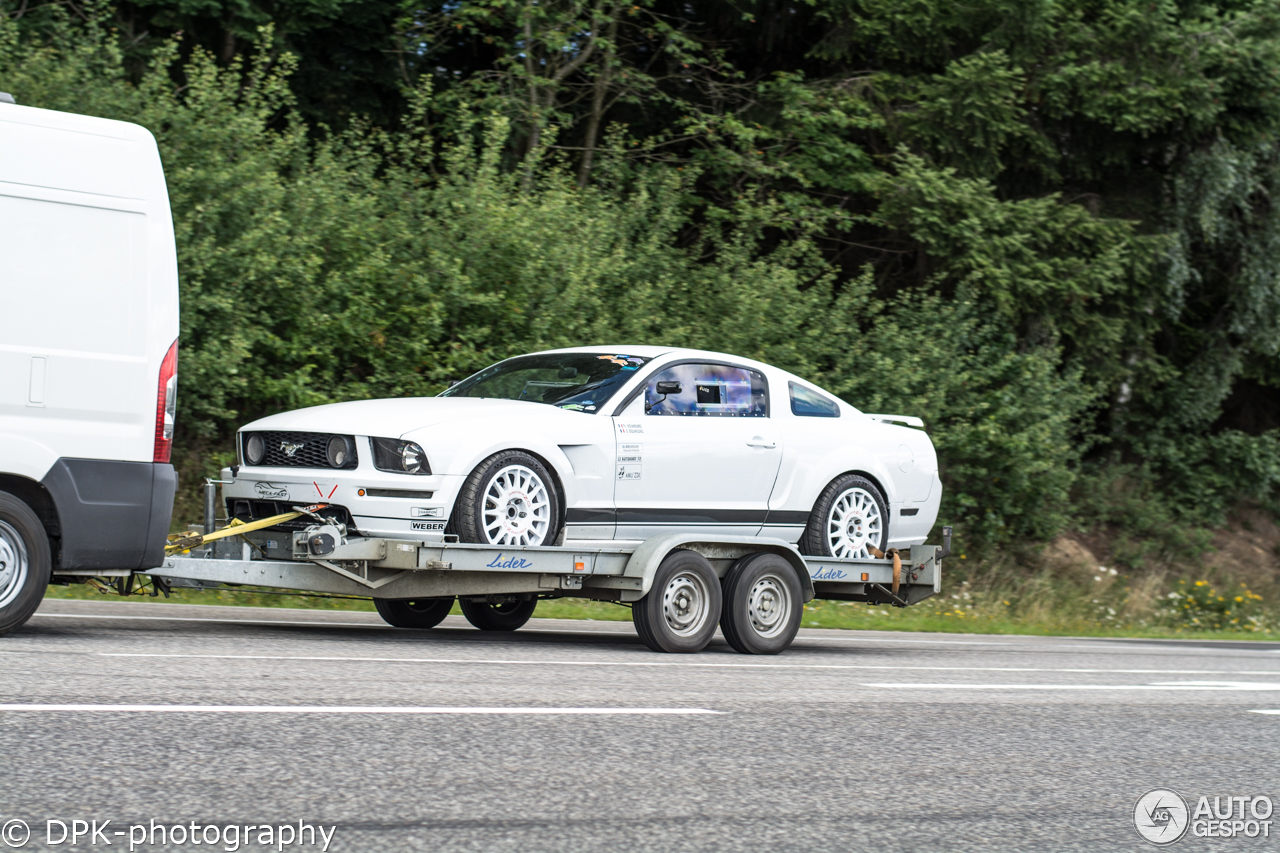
696 449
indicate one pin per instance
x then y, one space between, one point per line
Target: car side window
807 403
707 390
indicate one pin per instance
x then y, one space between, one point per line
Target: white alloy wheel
769 606
686 604
517 508
854 523
13 564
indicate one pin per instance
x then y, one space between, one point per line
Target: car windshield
578 381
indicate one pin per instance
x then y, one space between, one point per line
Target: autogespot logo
1161 816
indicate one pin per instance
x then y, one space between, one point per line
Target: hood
393 418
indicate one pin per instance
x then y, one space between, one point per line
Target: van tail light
166 404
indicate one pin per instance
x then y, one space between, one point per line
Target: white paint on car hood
393 418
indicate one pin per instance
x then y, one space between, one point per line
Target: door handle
757 441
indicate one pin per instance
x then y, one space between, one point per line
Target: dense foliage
1048 228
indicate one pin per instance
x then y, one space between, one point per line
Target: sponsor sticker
631 429
271 491
629 471
426 525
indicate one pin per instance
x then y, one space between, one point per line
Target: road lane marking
357 709
1229 686
692 665
1272 712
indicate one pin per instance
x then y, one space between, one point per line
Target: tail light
166 404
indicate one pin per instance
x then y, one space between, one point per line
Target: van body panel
89 289
113 515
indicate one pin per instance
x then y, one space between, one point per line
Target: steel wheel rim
853 524
769 606
14 564
686 603
517 508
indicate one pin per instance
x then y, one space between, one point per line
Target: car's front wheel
509 500
849 518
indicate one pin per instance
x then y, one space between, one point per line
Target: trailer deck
321 559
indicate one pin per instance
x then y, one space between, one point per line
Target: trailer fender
722 551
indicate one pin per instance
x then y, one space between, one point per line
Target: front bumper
358 492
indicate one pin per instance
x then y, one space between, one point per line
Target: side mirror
665 388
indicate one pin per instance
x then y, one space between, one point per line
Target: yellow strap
235 528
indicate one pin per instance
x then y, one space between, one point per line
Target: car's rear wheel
849 518
25 562
510 500
420 613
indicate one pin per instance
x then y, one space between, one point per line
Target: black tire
763 605
815 541
26 563
420 613
473 501
665 621
508 616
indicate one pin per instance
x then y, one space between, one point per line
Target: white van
88 352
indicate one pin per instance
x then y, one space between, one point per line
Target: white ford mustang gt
598 444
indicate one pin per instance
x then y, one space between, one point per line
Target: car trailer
679 586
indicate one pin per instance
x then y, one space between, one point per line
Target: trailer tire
26 562
681 609
420 613
508 616
510 484
763 605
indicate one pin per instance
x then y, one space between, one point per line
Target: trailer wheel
418 613
506 616
762 605
681 609
25 562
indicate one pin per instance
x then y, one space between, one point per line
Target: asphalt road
442 741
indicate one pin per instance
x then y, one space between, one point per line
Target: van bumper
112 515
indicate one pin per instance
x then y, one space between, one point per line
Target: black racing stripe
909 511
628 515
590 516
639 515
787 517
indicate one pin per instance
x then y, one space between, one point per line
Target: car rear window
807 403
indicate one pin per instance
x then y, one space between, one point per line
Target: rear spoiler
898 419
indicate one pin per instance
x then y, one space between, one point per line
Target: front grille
398 493
310 454
253 510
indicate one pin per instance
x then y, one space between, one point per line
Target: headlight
402 457
337 451
254 449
